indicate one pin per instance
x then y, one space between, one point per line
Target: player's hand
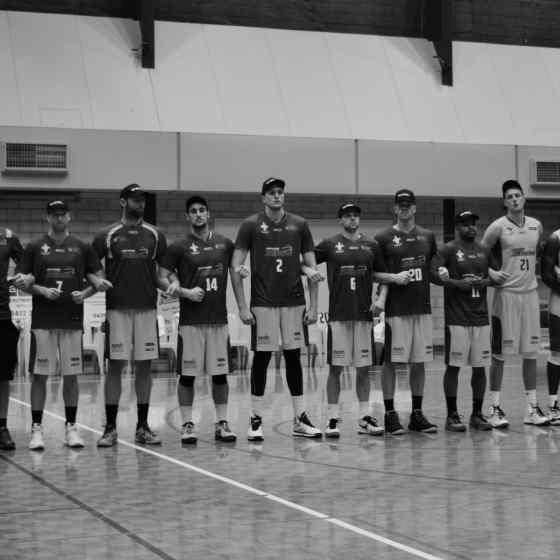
173 289
78 297
478 282
402 278
498 276
195 294
443 273
377 308
310 316
556 271
465 284
313 275
247 318
243 271
22 281
51 294
102 285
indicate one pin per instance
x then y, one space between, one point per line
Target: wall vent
545 173
34 158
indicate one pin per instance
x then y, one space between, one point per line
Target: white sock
186 413
363 407
333 411
552 399
221 412
257 405
531 398
495 398
299 405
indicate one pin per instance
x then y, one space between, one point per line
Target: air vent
34 158
545 173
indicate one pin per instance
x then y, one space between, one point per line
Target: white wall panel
10 112
232 162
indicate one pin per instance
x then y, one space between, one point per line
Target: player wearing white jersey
515 240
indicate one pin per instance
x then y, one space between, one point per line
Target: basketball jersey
62 266
10 248
350 267
202 264
275 249
413 252
131 253
550 259
464 260
516 250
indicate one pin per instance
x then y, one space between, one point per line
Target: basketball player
276 239
408 331
10 249
463 268
59 263
354 262
515 240
132 250
197 267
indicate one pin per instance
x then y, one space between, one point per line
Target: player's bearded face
58 221
135 207
350 222
467 232
198 216
405 210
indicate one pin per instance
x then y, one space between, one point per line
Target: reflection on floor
487 495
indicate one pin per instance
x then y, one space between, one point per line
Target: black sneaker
419 423
392 424
332 431
6 441
479 422
453 423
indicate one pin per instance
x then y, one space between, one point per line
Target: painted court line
287 503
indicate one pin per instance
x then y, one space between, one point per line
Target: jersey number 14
211 284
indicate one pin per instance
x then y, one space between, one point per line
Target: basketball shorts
278 327
516 325
202 349
467 346
9 335
554 322
408 339
49 346
350 343
132 334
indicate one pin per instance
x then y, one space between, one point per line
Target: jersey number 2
279 265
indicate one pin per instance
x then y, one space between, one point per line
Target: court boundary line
255 491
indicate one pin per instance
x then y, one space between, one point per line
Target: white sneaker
332 431
554 414
497 417
536 417
368 425
72 438
304 428
188 433
255 431
37 442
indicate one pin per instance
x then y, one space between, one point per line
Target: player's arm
311 313
321 256
19 280
550 271
490 242
237 262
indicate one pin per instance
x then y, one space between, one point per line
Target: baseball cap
511 184
347 207
466 216
272 182
405 195
57 206
195 200
132 190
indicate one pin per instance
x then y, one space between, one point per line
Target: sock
221 412
186 413
531 398
389 405
298 403
477 406
111 414
451 405
333 411
70 413
417 402
3 423
142 414
363 407
37 416
495 398
257 405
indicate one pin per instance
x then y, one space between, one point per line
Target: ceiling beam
146 17
438 28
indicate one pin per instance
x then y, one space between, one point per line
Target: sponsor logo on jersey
460 255
264 228
45 249
339 247
194 248
397 241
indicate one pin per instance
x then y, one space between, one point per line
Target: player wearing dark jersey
408 321
516 240
197 268
132 249
275 240
10 249
462 266
59 263
354 262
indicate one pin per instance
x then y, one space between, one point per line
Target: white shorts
132 334
467 346
408 339
202 349
350 343
516 323
278 327
49 346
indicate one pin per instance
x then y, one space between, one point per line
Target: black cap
466 216
405 195
57 206
195 200
272 182
511 184
132 190
348 207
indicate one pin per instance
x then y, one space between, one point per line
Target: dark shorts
9 336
